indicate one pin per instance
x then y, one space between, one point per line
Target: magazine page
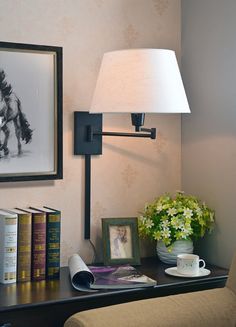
119 277
81 276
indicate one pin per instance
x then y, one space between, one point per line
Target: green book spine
24 247
53 245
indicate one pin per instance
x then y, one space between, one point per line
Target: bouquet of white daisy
170 219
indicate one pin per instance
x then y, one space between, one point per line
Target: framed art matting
120 241
30 112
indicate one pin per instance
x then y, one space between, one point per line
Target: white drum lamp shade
139 81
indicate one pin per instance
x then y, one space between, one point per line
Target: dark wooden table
50 303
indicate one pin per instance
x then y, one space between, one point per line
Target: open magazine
90 278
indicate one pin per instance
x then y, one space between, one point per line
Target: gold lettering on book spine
10 221
54 245
54 218
39 247
24 248
25 219
9 276
10 249
40 219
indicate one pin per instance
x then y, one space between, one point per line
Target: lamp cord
94 251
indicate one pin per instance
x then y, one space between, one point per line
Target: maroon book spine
38 246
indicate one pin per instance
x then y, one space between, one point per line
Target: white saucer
173 272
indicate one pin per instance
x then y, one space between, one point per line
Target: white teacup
189 264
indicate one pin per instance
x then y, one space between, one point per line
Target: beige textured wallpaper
130 172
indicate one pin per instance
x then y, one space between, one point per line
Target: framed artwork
120 241
30 112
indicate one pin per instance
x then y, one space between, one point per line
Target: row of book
29 244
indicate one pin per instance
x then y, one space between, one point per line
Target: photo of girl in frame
120 242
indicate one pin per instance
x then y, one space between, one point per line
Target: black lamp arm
137 121
152 131
149 133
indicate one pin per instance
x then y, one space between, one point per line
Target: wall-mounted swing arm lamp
135 81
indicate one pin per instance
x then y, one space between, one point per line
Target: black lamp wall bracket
88 141
88 132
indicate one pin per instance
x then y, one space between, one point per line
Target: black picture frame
120 241
33 74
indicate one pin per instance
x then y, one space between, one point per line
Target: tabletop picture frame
30 112
120 241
